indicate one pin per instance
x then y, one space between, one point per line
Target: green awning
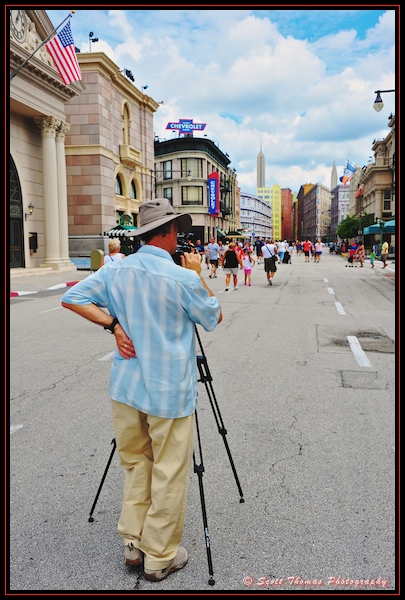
121 230
385 227
221 232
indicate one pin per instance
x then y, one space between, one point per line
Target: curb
54 287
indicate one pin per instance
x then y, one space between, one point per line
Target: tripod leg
199 470
102 480
223 432
206 378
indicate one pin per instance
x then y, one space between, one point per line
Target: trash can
96 260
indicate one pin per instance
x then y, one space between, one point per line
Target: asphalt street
304 383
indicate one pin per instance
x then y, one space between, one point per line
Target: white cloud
300 82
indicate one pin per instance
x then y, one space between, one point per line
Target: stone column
48 127
62 193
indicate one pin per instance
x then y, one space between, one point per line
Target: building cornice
100 63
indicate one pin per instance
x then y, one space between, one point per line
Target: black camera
184 244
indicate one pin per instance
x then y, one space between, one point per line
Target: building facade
314 205
339 208
286 215
375 189
109 152
255 217
273 197
261 169
38 124
182 170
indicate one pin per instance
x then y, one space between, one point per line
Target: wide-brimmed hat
154 213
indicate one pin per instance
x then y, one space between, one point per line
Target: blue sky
299 82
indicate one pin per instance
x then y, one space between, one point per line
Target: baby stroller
287 258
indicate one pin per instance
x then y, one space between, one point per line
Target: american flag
62 49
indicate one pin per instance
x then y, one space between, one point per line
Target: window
168 193
192 194
118 186
133 190
192 165
387 200
167 169
126 124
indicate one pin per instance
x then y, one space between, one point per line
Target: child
372 258
248 262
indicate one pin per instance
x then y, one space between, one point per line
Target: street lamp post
92 39
378 103
153 173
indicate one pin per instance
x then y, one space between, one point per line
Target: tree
351 226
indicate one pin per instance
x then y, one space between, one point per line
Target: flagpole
14 73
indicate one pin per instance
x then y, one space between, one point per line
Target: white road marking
57 286
106 357
358 351
330 290
50 309
339 308
14 428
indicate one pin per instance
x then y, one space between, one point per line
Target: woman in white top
318 250
114 247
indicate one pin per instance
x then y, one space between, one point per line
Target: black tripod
206 378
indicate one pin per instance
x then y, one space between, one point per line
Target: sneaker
133 556
235 288
214 276
250 284
270 282
178 562
227 289
210 276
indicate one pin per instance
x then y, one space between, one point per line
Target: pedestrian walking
360 253
153 307
114 251
318 250
372 258
248 263
281 248
207 256
221 254
232 262
269 252
306 246
199 247
258 249
213 249
384 254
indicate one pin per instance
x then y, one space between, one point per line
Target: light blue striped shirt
157 303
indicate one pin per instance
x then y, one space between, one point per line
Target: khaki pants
156 456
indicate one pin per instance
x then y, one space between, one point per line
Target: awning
221 232
236 235
121 231
385 227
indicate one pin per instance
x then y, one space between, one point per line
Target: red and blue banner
213 194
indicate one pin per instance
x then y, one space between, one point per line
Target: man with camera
153 307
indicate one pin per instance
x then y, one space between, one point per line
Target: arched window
133 190
118 186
